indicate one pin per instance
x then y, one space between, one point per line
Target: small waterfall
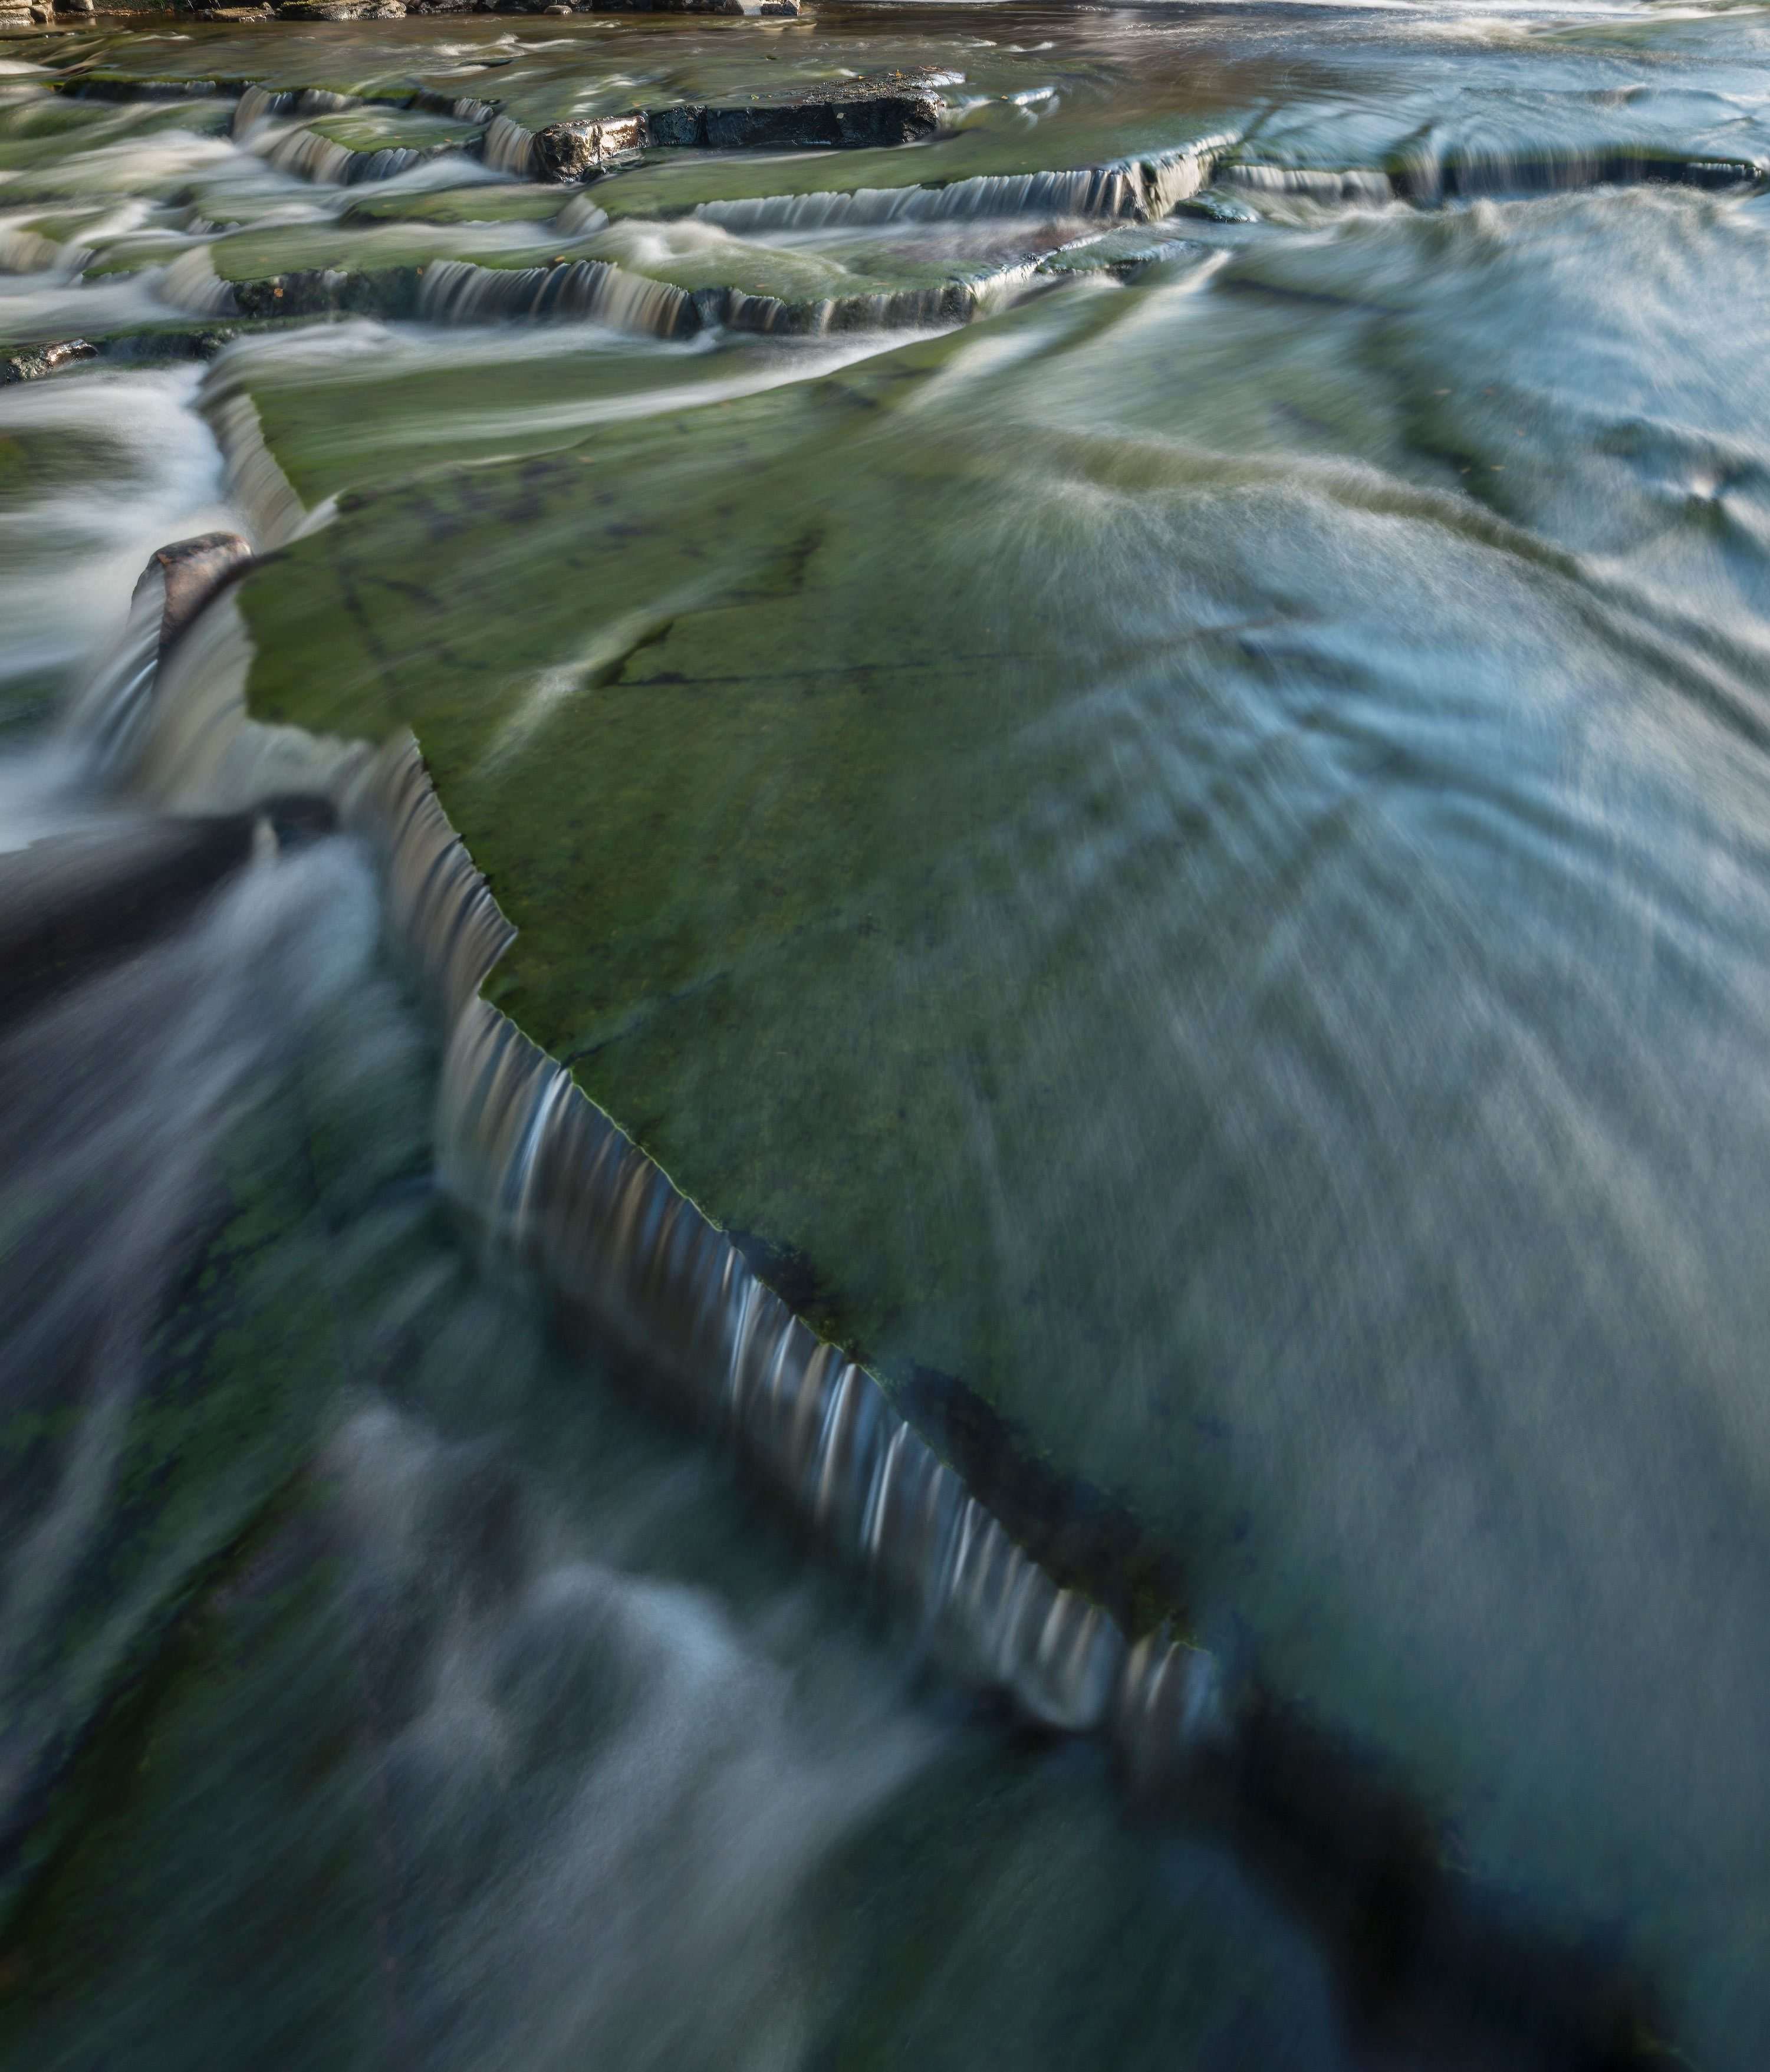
190 282
25 252
1425 172
1427 175
264 492
1092 191
195 747
1176 176
457 291
434 895
508 146
581 216
309 156
1353 185
105 718
936 308
559 1188
1129 189
258 105
108 720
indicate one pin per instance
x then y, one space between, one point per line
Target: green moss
483 202
768 778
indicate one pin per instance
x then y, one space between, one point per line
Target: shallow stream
1130 735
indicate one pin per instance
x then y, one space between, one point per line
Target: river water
1129 734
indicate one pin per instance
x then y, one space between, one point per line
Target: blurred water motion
1130 737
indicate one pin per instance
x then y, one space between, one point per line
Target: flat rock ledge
866 115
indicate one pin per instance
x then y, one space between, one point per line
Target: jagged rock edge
557 1185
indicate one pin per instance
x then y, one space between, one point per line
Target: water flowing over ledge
457 291
558 1192
558 1189
562 1191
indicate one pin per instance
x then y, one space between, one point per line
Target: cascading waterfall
1146 1195
508 147
275 512
938 307
28 252
106 717
309 156
1426 173
1136 189
190 282
457 291
581 216
560 1189
261 105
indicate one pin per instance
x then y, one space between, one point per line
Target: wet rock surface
568 151
189 572
46 360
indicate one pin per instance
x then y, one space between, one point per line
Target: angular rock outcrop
566 151
191 572
866 115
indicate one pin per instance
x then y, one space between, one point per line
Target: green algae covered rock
921 791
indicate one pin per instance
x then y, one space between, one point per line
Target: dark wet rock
864 115
124 86
192 571
34 364
298 818
73 904
340 10
565 151
156 345
389 291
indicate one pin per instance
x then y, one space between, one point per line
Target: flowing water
1114 688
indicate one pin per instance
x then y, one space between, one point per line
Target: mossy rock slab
920 791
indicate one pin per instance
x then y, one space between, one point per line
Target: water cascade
456 291
883 1061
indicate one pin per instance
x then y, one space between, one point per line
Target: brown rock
565 151
193 570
